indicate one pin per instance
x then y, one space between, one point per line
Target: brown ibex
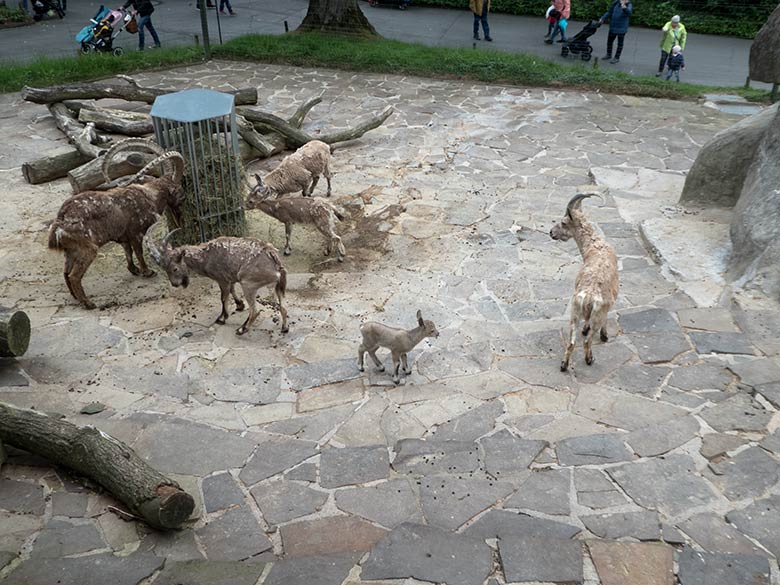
121 214
226 260
596 286
399 341
314 211
299 171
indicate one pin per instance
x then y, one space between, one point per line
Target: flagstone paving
657 465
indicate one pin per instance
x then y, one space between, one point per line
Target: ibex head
170 259
565 228
260 192
427 326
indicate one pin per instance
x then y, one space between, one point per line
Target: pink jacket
564 7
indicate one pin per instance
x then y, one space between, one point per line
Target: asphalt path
711 60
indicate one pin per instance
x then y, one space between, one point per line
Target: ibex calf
596 286
122 214
299 171
226 260
314 211
399 341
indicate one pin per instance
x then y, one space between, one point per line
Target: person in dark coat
675 62
144 9
618 15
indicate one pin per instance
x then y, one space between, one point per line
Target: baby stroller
579 44
401 4
104 27
41 8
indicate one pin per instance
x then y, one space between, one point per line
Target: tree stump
14 333
154 498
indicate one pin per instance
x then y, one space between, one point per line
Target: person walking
675 63
618 15
564 9
223 4
480 8
674 34
144 10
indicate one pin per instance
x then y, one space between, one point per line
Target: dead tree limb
105 89
14 332
53 165
90 175
75 131
118 121
296 120
158 500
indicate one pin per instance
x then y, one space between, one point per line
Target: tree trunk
54 165
118 121
96 90
14 333
90 175
148 494
336 16
74 130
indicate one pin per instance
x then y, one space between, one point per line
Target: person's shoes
222 12
658 74
561 41
548 42
615 60
546 36
489 39
157 46
606 57
476 38
232 13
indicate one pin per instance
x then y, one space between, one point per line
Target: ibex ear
419 318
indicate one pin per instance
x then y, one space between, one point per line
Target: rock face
719 171
765 51
755 226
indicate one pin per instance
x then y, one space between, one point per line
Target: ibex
299 171
399 341
314 211
226 260
596 286
121 214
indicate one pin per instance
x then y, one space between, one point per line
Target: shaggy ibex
304 210
299 171
121 214
226 260
596 286
398 341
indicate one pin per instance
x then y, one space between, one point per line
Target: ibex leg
405 364
131 267
570 345
377 362
314 180
239 302
80 265
327 174
282 312
66 272
138 248
396 367
224 290
250 294
288 235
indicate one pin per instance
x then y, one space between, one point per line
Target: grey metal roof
192 105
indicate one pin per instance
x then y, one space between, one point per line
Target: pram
401 4
579 44
41 8
104 27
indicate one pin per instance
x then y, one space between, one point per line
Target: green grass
367 55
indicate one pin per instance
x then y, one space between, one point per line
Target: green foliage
8 14
741 18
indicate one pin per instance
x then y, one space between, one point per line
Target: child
552 18
675 63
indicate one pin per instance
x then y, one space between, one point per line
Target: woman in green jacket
673 34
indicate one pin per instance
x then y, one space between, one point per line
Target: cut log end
14 334
169 509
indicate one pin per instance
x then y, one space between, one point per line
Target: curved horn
576 202
129 144
150 246
178 167
167 239
162 158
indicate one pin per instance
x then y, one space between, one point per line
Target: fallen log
53 165
118 121
154 498
14 332
90 175
77 133
110 90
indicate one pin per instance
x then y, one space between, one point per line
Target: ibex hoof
285 329
134 270
396 381
407 372
287 251
589 360
361 369
604 337
239 307
380 369
241 330
220 321
341 258
564 366
148 274
585 330
88 305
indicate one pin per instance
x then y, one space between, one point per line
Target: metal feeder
201 125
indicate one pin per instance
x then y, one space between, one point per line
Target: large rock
719 171
755 226
765 51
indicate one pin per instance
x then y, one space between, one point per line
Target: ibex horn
576 202
168 237
150 246
130 143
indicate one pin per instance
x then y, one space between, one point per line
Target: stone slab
471 425
709 319
505 453
621 563
648 321
738 413
757 371
304 376
504 524
312 570
470 359
621 410
748 474
72 505
201 572
234 536
60 539
542 559
715 535
546 491
699 568
727 342
89 570
448 501
669 485
426 457
658 439
274 456
593 450
704 376
771 392
353 465
429 554
282 501
760 521
221 491
716 444
655 348
637 378
21 497
304 472
331 535
594 490
389 504
644 525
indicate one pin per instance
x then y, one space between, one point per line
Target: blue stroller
104 27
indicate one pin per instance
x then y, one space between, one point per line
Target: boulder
765 51
717 175
755 225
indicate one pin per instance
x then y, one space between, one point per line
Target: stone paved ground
657 465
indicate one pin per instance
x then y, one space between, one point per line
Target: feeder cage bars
201 125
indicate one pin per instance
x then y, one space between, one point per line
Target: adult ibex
121 214
596 287
226 260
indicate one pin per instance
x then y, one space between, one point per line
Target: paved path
671 438
712 60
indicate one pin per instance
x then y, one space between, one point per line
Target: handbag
132 26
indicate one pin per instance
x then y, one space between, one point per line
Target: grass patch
375 55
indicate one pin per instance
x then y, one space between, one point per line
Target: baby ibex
299 171
398 341
596 286
227 261
314 211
